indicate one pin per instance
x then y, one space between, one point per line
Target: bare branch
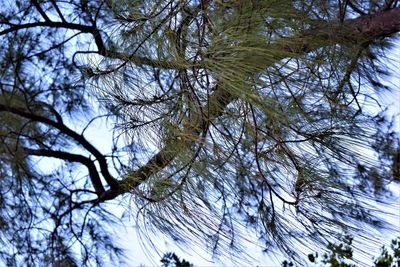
40 10
93 173
67 131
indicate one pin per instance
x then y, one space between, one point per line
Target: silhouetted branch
93 173
67 131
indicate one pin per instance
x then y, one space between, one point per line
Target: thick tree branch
381 24
102 50
50 24
360 30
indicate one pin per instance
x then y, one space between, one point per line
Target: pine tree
225 116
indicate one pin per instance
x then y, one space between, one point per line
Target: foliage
341 255
225 116
337 256
171 260
389 258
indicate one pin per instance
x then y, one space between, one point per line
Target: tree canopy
225 116
338 255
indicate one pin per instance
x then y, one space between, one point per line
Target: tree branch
67 131
40 10
93 173
360 30
374 26
102 50
50 24
58 11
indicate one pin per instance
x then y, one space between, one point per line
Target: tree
337 256
171 260
342 255
228 115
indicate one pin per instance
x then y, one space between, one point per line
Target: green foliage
224 117
389 258
337 255
171 260
341 255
